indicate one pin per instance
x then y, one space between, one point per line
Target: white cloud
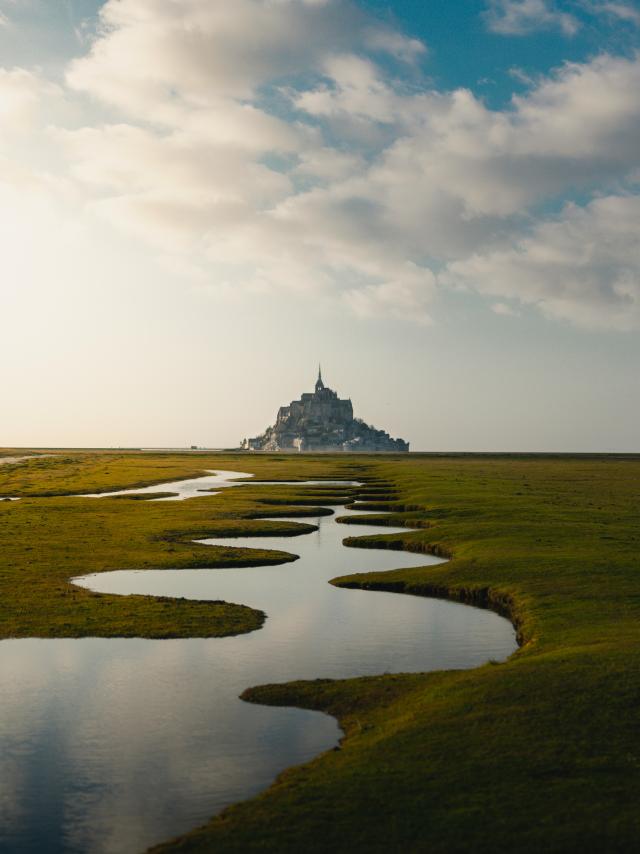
281 157
519 17
621 11
406 297
155 51
23 96
583 266
130 159
578 128
394 43
354 90
425 178
504 309
328 164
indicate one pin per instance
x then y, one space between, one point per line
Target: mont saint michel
321 421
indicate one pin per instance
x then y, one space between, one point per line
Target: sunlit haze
201 199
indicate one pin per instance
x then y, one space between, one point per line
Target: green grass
541 753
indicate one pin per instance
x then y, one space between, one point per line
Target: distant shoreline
9 452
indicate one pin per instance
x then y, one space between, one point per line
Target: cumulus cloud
154 51
267 144
580 125
583 266
519 17
210 166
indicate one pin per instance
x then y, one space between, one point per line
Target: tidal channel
112 745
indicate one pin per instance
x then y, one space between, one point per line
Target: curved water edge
193 487
148 739
209 484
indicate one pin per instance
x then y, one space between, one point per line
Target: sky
200 200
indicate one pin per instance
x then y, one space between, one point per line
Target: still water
113 745
182 489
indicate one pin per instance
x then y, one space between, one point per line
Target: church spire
319 383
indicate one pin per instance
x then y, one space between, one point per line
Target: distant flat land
541 753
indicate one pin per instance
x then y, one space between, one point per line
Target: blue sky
465 52
439 200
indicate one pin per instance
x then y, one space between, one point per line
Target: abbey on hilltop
320 421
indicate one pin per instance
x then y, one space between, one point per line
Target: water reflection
209 484
183 489
113 745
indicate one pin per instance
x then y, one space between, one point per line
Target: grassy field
541 753
47 538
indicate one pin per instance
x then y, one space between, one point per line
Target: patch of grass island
539 753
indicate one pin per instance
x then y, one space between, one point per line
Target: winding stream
113 745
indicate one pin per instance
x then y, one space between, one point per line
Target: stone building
321 421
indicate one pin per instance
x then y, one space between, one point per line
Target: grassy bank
538 754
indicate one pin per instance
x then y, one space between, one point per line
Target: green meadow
540 753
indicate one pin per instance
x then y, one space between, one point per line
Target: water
183 489
210 484
114 745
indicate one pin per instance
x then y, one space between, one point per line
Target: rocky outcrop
321 421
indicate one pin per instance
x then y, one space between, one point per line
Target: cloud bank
279 147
